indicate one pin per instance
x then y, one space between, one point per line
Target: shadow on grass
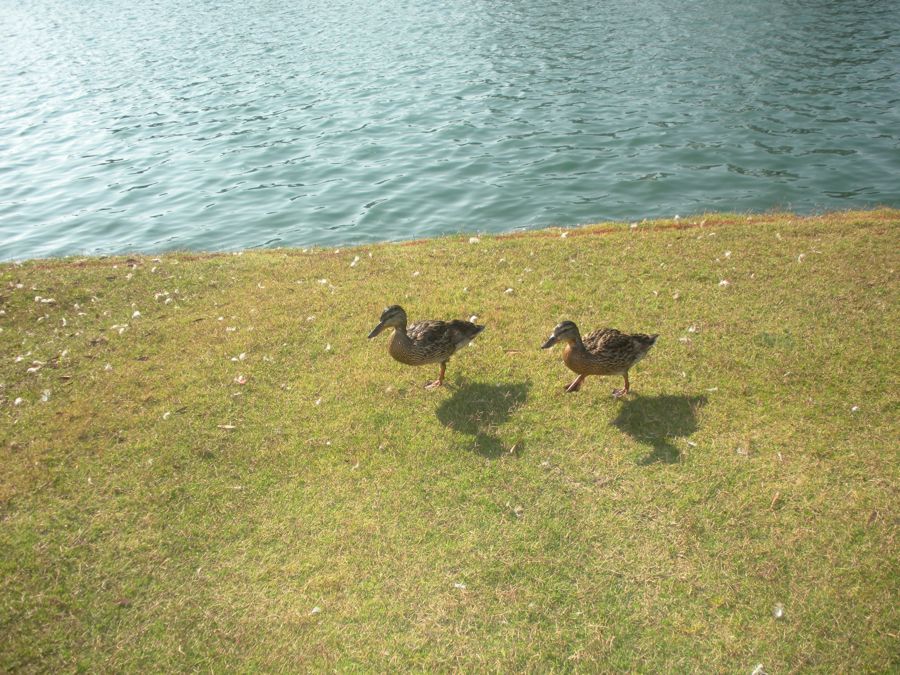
479 409
656 420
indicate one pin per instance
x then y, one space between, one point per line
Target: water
220 125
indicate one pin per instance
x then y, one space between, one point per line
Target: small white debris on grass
633 226
474 240
416 273
758 670
692 444
778 611
166 415
854 408
724 282
692 329
563 235
508 291
240 379
19 401
107 367
323 281
713 389
473 318
801 257
460 586
328 347
355 261
318 401
727 254
315 610
45 395
136 315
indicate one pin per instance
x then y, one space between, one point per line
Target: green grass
158 516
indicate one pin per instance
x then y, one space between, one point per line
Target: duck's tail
646 341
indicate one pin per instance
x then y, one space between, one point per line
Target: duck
606 351
425 342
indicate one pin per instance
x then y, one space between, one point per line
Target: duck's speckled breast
404 350
584 363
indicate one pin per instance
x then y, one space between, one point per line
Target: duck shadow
480 409
657 420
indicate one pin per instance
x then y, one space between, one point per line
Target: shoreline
710 219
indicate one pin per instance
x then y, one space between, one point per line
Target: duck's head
566 331
393 316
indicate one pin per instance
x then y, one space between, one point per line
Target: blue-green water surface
148 126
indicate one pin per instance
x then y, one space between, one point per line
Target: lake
232 124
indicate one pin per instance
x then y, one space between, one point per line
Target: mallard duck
425 341
603 352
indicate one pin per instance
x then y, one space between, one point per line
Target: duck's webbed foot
575 385
440 381
621 393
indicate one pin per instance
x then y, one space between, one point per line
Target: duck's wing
621 347
427 331
439 339
464 331
605 339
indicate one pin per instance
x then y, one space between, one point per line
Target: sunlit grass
330 513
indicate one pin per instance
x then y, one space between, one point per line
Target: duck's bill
377 330
549 343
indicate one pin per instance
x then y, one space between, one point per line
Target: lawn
207 466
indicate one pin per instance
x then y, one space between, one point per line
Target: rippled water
219 125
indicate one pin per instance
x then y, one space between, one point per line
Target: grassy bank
159 515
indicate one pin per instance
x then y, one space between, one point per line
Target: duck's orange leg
576 384
440 381
619 393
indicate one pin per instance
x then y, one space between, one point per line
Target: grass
331 514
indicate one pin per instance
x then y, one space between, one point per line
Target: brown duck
425 341
603 352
